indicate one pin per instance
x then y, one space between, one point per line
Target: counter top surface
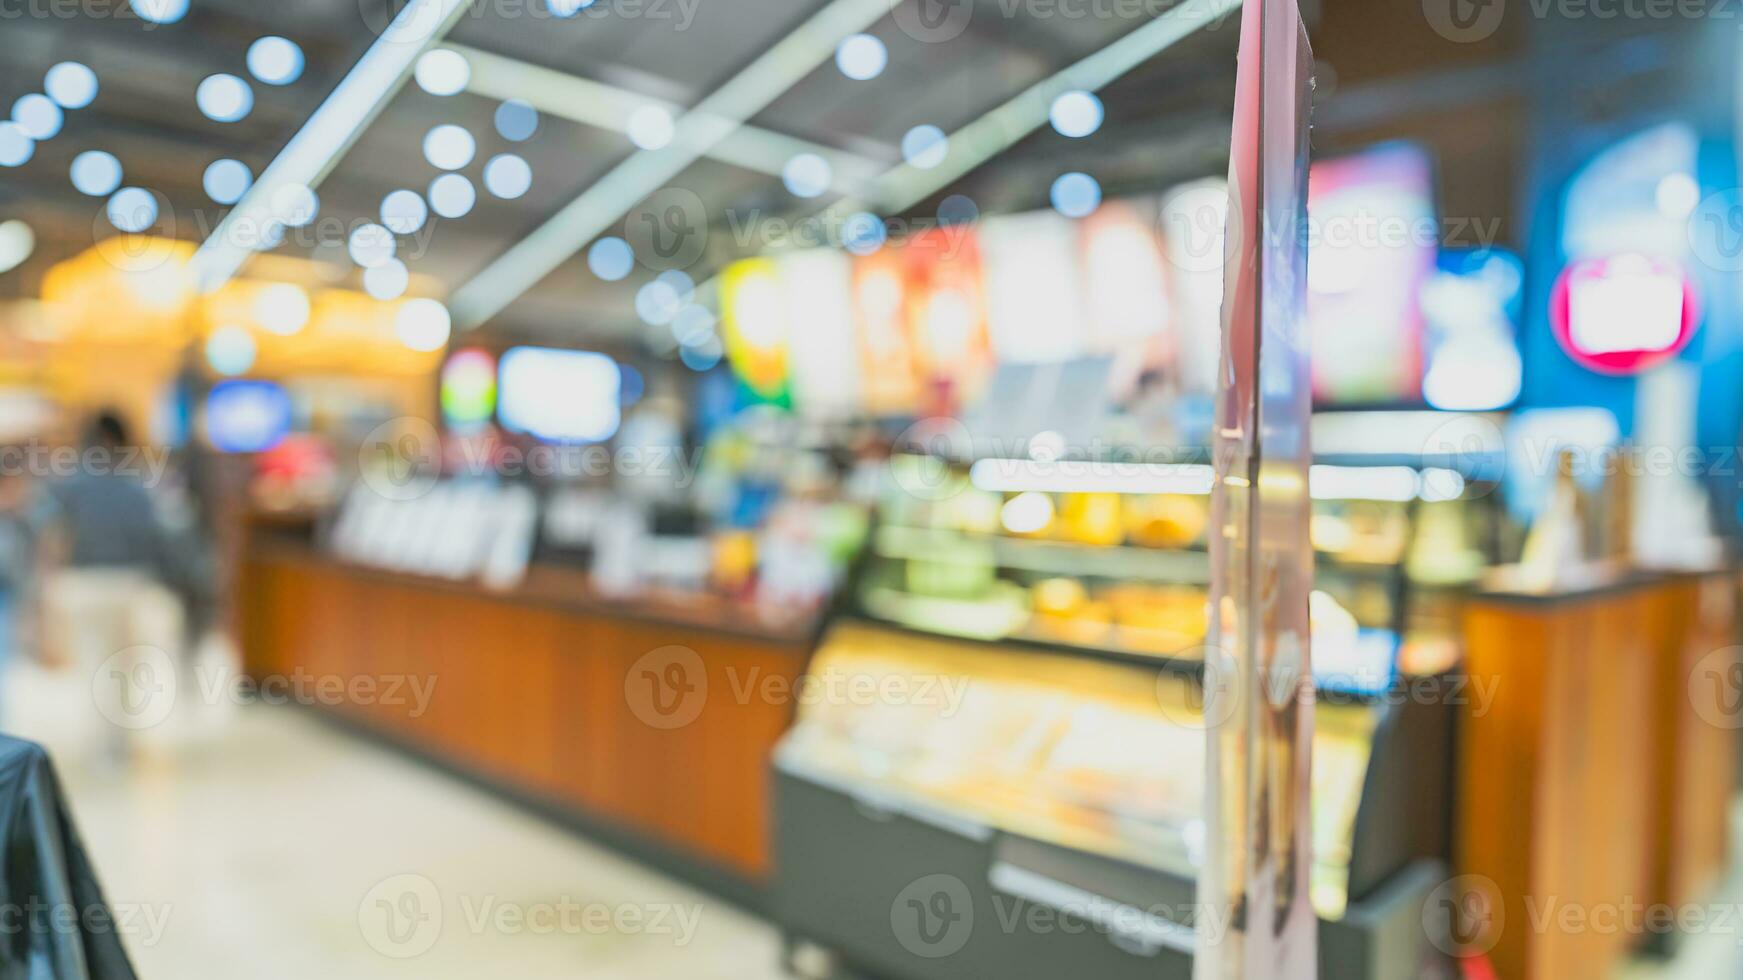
571 588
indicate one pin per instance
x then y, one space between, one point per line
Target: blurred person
109 605
19 530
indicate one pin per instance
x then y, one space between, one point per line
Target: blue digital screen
247 416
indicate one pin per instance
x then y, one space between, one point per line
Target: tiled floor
262 836
269 839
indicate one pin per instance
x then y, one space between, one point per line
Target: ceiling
1167 121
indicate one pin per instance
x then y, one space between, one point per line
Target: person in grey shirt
110 607
104 512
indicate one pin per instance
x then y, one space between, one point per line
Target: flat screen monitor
247 416
565 396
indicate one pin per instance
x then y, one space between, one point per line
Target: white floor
269 839
262 836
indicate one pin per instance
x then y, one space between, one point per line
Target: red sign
1623 314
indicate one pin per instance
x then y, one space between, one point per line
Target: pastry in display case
972 749
1020 556
1112 557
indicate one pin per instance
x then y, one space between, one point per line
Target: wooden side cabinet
1591 788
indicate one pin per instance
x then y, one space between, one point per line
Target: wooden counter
540 691
1695 751
1591 784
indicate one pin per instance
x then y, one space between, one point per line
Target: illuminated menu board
946 314
1373 243
886 348
827 376
917 326
1125 291
1034 288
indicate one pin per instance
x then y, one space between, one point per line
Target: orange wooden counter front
535 691
1594 785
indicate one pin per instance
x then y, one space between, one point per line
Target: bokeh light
96 173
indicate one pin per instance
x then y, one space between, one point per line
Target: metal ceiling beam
608 107
699 131
1000 129
331 130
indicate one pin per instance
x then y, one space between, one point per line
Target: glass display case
1110 558
1036 633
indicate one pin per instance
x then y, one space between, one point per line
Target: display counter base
543 697
867 889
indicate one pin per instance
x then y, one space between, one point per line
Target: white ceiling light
449 147
1075 194
680 282
371 245
275 60
160 11
611 259
226 181
16 146
650 127
386 281
17 241
96 173
1075 114
230 350
282 308
452 196
71 84
704 356
443 72
507 176
323 139
224 98
37 115
132 209
567 8
295 205
516 120
693 326
806 175
658 302
863 233
957 209
423 324
704 127
861 57
925 147
404 212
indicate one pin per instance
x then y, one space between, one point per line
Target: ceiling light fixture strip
697 132
1002 127
330 130
603 106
